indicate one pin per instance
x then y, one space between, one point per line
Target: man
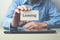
48 16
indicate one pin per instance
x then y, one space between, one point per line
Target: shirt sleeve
54 16
7 19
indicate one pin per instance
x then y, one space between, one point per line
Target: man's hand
35 26
16 16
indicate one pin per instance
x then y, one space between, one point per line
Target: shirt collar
38 3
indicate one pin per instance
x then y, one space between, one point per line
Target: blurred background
4 4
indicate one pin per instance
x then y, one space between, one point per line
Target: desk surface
55 36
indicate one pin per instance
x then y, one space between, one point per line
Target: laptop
19 32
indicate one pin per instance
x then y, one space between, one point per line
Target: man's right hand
16 16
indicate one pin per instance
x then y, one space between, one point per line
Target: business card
29 15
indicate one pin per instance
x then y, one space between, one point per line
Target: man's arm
12 19
54 17
8 18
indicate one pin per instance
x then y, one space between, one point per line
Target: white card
29 15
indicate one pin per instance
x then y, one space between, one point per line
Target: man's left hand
35 26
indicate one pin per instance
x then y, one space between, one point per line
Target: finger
27 29
25 8
20 8
16 14
35 26
27 26
34 30
17 11
37 30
